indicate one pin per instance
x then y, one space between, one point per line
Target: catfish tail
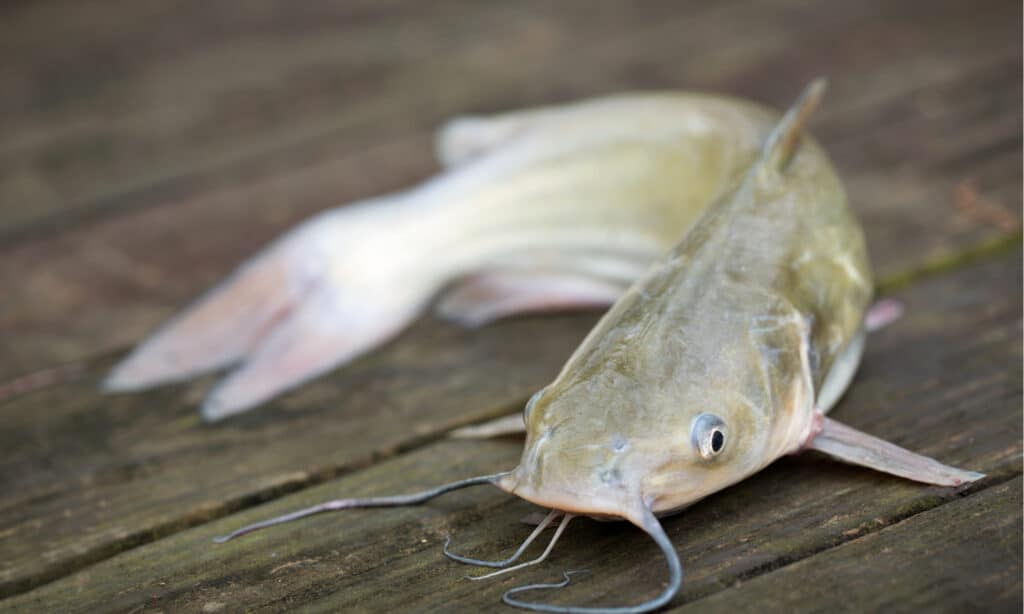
330 289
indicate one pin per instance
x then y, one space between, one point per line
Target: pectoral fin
882 313
858 448
505 425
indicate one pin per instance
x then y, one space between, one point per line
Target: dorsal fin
785 137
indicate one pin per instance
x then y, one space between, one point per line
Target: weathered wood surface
240 127
144 152
136 468
966 324
921 564
113 102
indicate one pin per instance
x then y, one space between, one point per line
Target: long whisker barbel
347 504
650 524
675 569
540 559
504 562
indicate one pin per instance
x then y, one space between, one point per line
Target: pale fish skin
748 331
537 210
724 356
742 321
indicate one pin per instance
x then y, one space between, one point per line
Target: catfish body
722 357
536 210
743 322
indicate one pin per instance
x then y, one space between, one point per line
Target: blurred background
146 148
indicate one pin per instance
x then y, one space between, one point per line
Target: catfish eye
708 435
530 404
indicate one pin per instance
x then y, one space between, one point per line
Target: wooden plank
136 468
112 104
963 556
901 167
945 381
143 266
117 101
890 138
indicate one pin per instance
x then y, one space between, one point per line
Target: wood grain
98 108
87 475
965 324
963 556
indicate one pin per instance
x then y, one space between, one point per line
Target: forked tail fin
310 302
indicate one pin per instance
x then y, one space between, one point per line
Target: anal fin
882 313
485 297
511 424
856 447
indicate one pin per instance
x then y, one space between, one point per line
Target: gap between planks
740 597
230 507
242 503
225 171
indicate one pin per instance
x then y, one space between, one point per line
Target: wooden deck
146 148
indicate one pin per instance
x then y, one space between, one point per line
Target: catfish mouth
641 516
603 504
